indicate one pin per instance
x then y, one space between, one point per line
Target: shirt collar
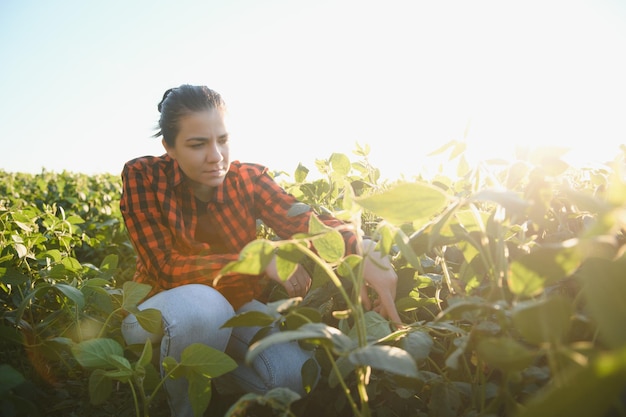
175 175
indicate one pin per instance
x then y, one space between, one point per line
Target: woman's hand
382 278
297 285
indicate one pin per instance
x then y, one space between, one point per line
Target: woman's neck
202 192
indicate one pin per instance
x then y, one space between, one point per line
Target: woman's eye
197 145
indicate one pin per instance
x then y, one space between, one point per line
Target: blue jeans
194 313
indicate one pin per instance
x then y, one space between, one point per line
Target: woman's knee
193 313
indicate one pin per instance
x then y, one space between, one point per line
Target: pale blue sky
80 80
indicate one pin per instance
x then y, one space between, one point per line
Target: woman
189 213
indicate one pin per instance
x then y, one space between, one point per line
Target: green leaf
253 258
406 202
250 319
385 358
11 334
122 375
287 258
544 266
171 365
301 173
72 293
376 326
504 353
100 387
134 293
53 254
9 379
146 354
71 264
96 353
590 391
418 344
316 226
510 200
151 320
604 288
120 362
340 164
331 246
310 372
109 263
207 361
546 320
200 394
316 333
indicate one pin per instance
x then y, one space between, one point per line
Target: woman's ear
170 151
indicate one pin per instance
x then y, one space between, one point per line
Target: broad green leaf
544 266
9 379
200 393
406 202
204 360
301 173
250 319
287 258
510 200
345 367
11 334
505 354
72 293
100 387
545 320
109 263
120 362
445 399
71 264
317 333
317 226
377 326
340 164
590 391
330 246
96 353
385 358
604 288
150 319
53 254
418 344
402 240
134 293
253 259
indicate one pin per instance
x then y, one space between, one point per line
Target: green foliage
511 291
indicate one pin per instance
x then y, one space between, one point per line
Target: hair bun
167 92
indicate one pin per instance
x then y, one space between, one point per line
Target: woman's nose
214 153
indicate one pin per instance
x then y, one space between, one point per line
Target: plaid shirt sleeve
273 204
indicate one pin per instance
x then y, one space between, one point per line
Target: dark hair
183 100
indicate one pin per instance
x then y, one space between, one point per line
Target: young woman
189 213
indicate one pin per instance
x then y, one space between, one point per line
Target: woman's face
201 149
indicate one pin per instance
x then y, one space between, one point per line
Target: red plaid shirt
161 216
